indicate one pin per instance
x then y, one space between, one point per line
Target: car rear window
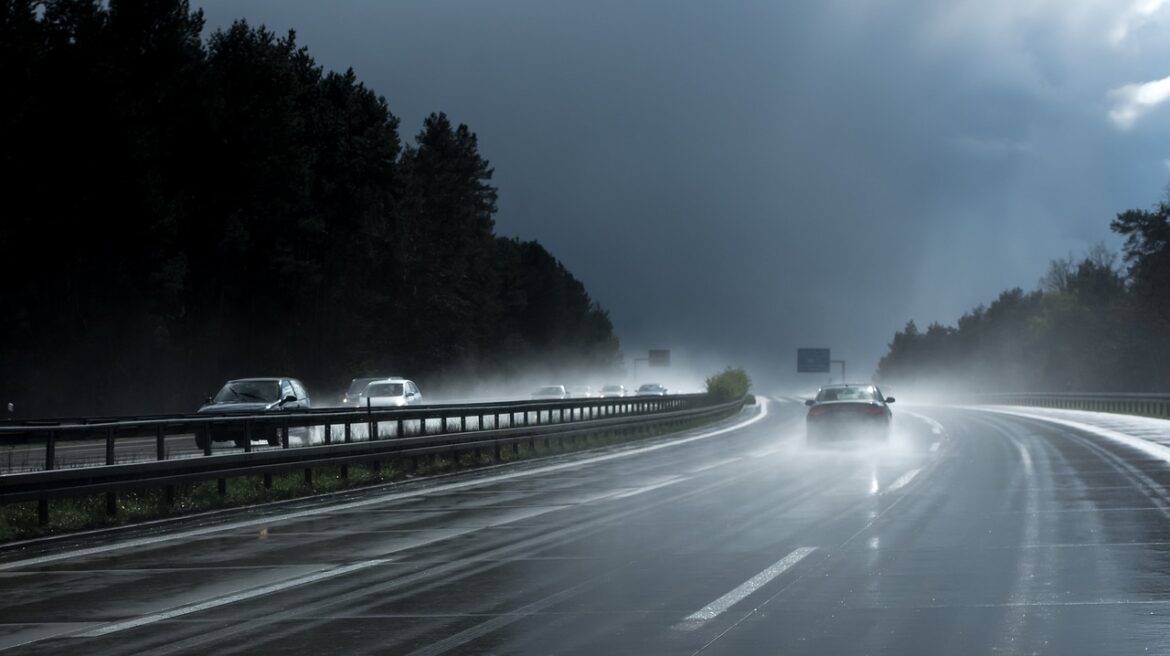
848 394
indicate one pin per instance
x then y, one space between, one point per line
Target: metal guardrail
347 437
1148 405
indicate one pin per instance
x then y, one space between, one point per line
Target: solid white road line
230 599
713 465
647 488
378 500
717 607
903 480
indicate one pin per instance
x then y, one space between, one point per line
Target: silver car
389 393
651 389
613 391
551 393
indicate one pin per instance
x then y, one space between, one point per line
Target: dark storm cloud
737 179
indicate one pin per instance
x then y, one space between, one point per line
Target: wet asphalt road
980 534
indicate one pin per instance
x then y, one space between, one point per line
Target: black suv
252 396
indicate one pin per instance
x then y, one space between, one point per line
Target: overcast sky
736 179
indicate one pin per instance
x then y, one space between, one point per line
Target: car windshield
384 389
249 391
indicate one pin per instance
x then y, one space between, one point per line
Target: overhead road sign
659 357
812 360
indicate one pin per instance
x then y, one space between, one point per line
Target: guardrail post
328 432
462 423
422 425
160 443
284 434
399 428
110 446
207 443
348 437
247 436
111 496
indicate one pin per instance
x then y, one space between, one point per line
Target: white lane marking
763 453
935 427
933 447
647 488
713 465
903 480
1150 448
717 607
381 499
230 599
1026 459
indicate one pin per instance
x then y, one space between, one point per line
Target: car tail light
874 410
817 410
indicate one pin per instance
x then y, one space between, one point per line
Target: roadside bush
729 384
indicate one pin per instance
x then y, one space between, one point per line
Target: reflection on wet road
972 532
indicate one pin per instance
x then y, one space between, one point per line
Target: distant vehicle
651 389
390 392
253 396
848 411
581 392
356 387
551 392
611 391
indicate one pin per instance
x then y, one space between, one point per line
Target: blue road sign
812 361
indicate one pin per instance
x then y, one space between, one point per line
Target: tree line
179 210
1098 323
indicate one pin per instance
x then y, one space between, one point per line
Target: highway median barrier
60 497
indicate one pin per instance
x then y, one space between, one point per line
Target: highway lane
972 533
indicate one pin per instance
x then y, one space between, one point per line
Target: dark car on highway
252 396
842 412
